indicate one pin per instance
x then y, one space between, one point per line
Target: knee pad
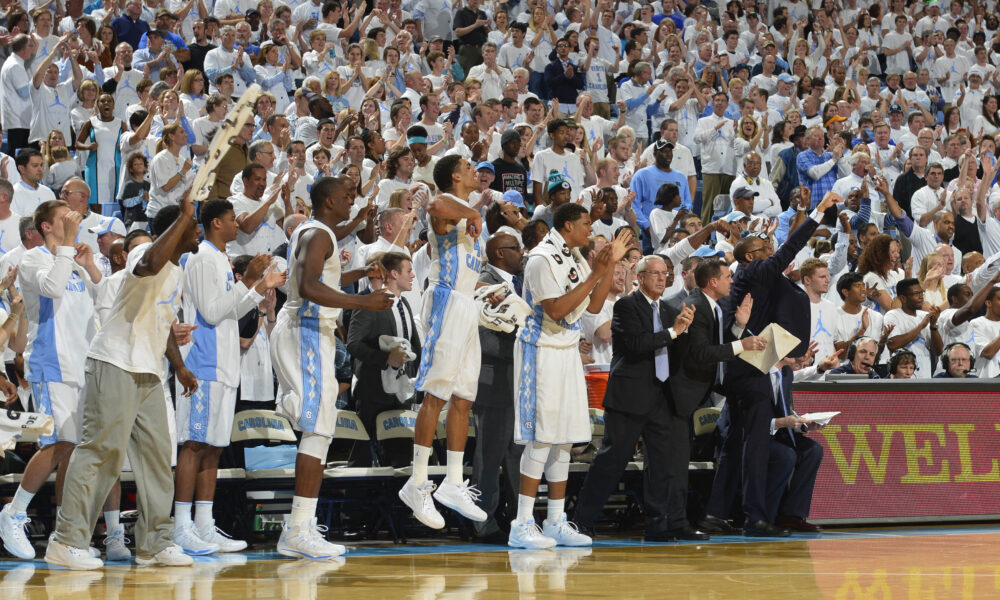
314 445
557 465
533 459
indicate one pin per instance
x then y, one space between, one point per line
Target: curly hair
875 257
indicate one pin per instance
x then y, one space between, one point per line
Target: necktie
402 318
780 396
517 284
719 368
661 360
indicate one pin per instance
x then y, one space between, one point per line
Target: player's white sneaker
77 559
307 541
171 556
188 540
214 535
420 502
93 551
564 532
461 498
526 534
12 530
114 544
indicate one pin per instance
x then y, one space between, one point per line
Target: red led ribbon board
900 455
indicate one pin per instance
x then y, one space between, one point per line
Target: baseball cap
705 251
557 182
165 13
895 108
976 71
486 165
108 225
661 144
509 136
514 197
786 78
744 192
251 12
834 119
735 216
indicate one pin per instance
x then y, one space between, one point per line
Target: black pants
395 453
495 448
666 447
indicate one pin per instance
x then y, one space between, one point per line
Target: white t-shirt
134 336
269 234
589 323
10 236
15 111
823 316
164 166
566 163
920 346
27 199
848 325
951 333
984 332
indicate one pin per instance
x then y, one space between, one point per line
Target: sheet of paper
823 418
779 344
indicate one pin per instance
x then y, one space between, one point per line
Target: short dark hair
904 285
531 234
249 169
393 261
164 219
212 210
708 269
24 155
44 212
443 171
567 213
324 187
846 281
240 264
131 237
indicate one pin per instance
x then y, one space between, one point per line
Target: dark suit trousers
667 448
395 453
805 459
495 447
726 486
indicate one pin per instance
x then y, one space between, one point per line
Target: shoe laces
215 531
532 529
425 492
469 491
113 537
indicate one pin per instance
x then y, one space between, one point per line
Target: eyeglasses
68 193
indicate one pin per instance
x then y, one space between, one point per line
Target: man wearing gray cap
750 183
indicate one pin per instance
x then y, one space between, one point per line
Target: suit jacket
496 373
699 353
632 385
369 360
675 301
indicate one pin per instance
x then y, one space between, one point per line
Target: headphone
898 356
946 353
853 348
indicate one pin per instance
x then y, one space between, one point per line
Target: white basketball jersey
296 306
456 257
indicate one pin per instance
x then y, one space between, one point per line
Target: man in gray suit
494 406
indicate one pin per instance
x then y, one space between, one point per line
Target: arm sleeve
214 302
821 169
52 282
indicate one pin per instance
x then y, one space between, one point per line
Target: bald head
76 193
504 252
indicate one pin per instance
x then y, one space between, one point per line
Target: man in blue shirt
818 169
129 27
647 182
165 21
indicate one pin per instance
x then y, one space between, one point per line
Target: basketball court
924 562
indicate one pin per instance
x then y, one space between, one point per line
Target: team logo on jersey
557 258
565 250
573 276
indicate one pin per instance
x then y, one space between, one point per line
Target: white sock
421 456
303 511
111 519
555 509
182 514
203 515
525 508
454 468
22 498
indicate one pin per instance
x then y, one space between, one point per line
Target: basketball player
551 394
57 280
450 358
125 406
215 302
303 350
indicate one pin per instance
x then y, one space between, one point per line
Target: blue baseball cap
708 252
514 197
486 165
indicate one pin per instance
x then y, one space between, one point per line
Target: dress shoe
764 529
686 533
798 524
717 526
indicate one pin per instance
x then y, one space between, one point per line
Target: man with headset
862 355
956 362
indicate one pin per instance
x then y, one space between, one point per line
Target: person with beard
646 182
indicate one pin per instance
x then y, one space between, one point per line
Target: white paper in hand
779 344
820 418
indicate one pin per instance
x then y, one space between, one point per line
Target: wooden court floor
877 564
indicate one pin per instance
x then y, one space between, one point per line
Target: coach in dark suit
494 406
775 299
638 402
369 361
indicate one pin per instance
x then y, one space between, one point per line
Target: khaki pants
712 184
122 411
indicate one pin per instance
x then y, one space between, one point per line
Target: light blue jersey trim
312 373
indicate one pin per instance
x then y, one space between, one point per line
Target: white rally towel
506 315
14 424
567 265
395 381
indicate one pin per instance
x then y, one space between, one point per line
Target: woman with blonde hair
931 277
751 138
